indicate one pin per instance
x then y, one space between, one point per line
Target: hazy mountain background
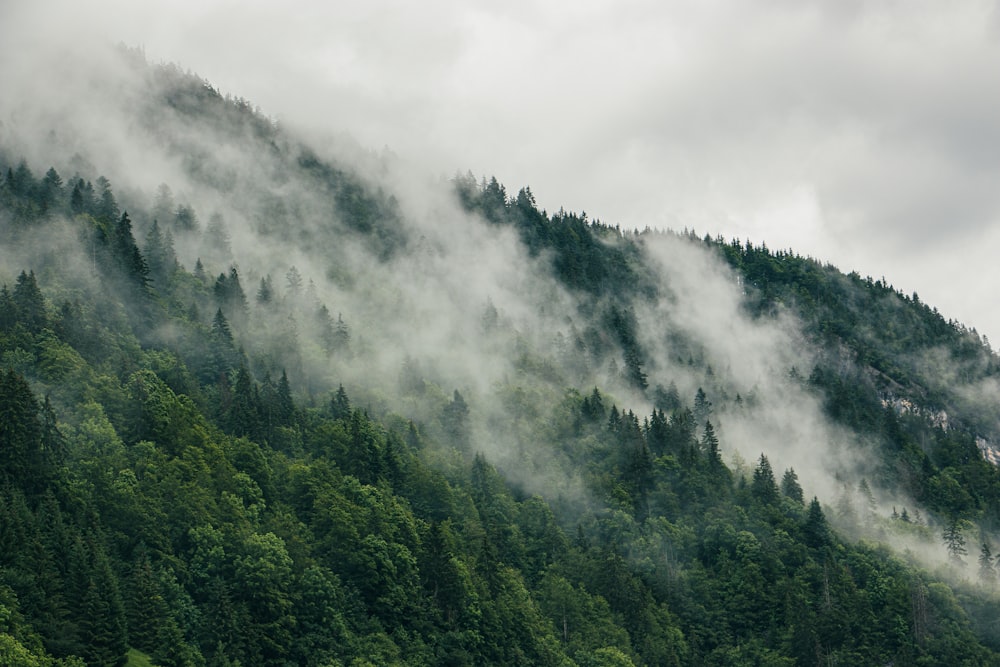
860 134
278 400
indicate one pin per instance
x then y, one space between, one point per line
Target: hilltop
271 400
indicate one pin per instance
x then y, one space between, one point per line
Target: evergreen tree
341 335
868 499
217 245
265 293
327 334
163 203
667 400
77 203
107 208
285 409
185 219
21 434
710 444
126 252
340 405
244 411
29 304
790 486
816 531
159 253
103 625
51 191
293 283
702 406
763 486
987 573
455 421
954 541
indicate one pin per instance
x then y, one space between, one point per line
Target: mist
443 302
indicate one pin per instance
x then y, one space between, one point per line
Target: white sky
866 134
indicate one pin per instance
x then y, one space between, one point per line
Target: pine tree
987 573
702 406
341 335
340 405
103 624
126 253
107 208
868 500
790 486
455 420
159 252
185 219
710 443
285 411
29 304
816 531
77 203
222 354
763 487
51 190
954 541
293 282
243 417
327 334
21 435
265 293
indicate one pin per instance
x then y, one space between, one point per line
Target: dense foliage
175 481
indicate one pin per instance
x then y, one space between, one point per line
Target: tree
341 335
293 281
29 304
702 406
217 244
285 409
763 486
340 405
987 573
327 335
126 252
868 498
103 625
592 408
954 541
815 530
633 369
185 219
160 255
51 191
667 400
21 455
790 486
163 203
265 293
107 208
244 411
222 353
710 443
229 295
455 420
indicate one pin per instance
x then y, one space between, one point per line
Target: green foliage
163 500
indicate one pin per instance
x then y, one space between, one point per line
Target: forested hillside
273 403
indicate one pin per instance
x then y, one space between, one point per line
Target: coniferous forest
271 405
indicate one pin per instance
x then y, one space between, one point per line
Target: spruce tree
790 486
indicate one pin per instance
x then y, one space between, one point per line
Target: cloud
789 123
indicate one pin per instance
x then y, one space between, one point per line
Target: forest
267 415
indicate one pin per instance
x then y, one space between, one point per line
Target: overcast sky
866 134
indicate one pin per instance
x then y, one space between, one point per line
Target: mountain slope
276 402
